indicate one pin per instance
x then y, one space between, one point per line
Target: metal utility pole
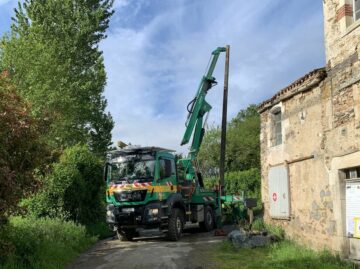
224 119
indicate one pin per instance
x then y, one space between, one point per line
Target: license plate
128 209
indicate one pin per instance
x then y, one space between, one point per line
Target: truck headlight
109 213
153 211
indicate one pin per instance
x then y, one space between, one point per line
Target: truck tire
209 221
176 224
125 236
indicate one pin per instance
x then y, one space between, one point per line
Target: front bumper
143 216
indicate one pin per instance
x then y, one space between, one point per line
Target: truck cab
144 192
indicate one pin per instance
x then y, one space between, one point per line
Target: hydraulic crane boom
198 107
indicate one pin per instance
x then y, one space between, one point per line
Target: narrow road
191 252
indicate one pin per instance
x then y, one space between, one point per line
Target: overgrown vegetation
20 148
53 58
43 243
260 225
54 132
282 255
242 154
73 189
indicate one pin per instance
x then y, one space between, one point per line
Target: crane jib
198 107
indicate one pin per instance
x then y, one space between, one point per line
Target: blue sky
157 51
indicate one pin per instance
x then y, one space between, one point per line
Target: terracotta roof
304 83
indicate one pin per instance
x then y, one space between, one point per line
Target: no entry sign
274 196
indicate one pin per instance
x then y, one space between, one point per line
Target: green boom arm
199 107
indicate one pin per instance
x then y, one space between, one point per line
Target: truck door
167 173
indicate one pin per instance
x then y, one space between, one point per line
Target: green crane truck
149 189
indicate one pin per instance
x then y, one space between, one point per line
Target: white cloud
121 3
3 2
154 70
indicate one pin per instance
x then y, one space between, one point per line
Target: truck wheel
209 221
125 235
176 224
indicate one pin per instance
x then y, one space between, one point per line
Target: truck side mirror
106 171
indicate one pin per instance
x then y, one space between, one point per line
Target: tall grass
277 231
282 255
291 255
43 243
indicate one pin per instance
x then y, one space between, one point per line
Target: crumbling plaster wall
310 193
324 122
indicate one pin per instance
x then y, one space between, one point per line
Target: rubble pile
242 239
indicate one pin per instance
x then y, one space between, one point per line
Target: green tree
74 189
53 56
242 154
242 143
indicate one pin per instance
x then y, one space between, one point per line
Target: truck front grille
130 196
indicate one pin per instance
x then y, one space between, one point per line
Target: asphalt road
191 252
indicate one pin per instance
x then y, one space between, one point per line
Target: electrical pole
224 120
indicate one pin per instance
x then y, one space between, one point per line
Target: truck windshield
131 168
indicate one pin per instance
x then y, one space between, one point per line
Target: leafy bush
248 181
242 144
260 225
20 148
99 229
43 243
73 190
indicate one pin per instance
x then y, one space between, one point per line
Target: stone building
310 143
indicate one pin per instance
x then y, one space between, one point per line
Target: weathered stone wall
325 122
342 33
311 199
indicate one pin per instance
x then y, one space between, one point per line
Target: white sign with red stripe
133 185
208 198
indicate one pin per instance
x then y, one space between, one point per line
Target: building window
352 198
276 127
356 9
352 173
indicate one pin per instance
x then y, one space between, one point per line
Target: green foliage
53 58
290 255
281 255
99 229
43 243
242 155
20 148
248 180
277 231
51 106
209 154
242 144
243 140
73 190
258 225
